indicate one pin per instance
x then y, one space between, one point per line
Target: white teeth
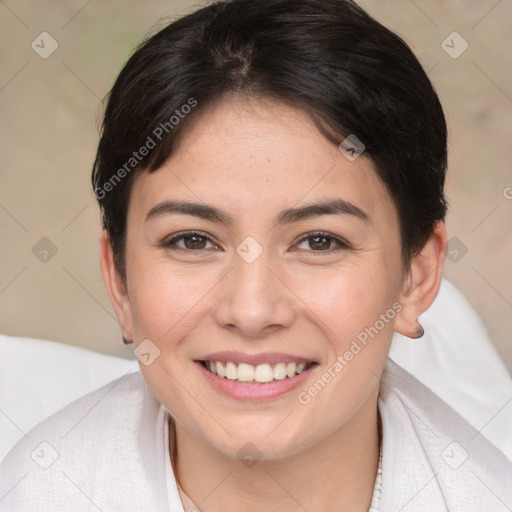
280 371
245 372
290 369
231 371
221 371
262 373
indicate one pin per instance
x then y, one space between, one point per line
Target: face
249 275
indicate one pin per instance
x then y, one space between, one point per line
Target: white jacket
108 451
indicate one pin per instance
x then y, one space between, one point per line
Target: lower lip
251 392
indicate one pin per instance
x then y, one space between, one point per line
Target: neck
337 473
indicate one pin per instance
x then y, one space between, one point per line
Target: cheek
355 306
165 301
350 299
358 307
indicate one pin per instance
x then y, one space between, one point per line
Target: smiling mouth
262 373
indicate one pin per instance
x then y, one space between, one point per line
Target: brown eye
322 242
319 242
190 241
194 242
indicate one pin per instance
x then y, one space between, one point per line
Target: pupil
322 245
192 242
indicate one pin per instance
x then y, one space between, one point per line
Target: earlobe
422 284
116 287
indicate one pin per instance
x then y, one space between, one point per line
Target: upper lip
254 359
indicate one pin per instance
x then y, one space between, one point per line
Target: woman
270 176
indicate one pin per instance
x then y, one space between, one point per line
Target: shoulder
103 407
439 448
93 450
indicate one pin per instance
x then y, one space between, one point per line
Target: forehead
247 154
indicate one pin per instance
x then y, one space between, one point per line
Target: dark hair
329 58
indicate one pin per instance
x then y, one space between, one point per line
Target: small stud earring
419 332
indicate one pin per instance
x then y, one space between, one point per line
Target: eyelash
170 244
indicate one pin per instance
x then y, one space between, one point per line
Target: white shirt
109 451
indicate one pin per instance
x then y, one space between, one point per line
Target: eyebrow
330 207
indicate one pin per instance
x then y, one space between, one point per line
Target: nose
253 299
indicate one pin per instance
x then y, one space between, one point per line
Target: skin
253 159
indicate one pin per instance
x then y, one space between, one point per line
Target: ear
422 283
115 286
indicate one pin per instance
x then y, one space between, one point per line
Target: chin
254 444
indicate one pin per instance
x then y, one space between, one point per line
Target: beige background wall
49 111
